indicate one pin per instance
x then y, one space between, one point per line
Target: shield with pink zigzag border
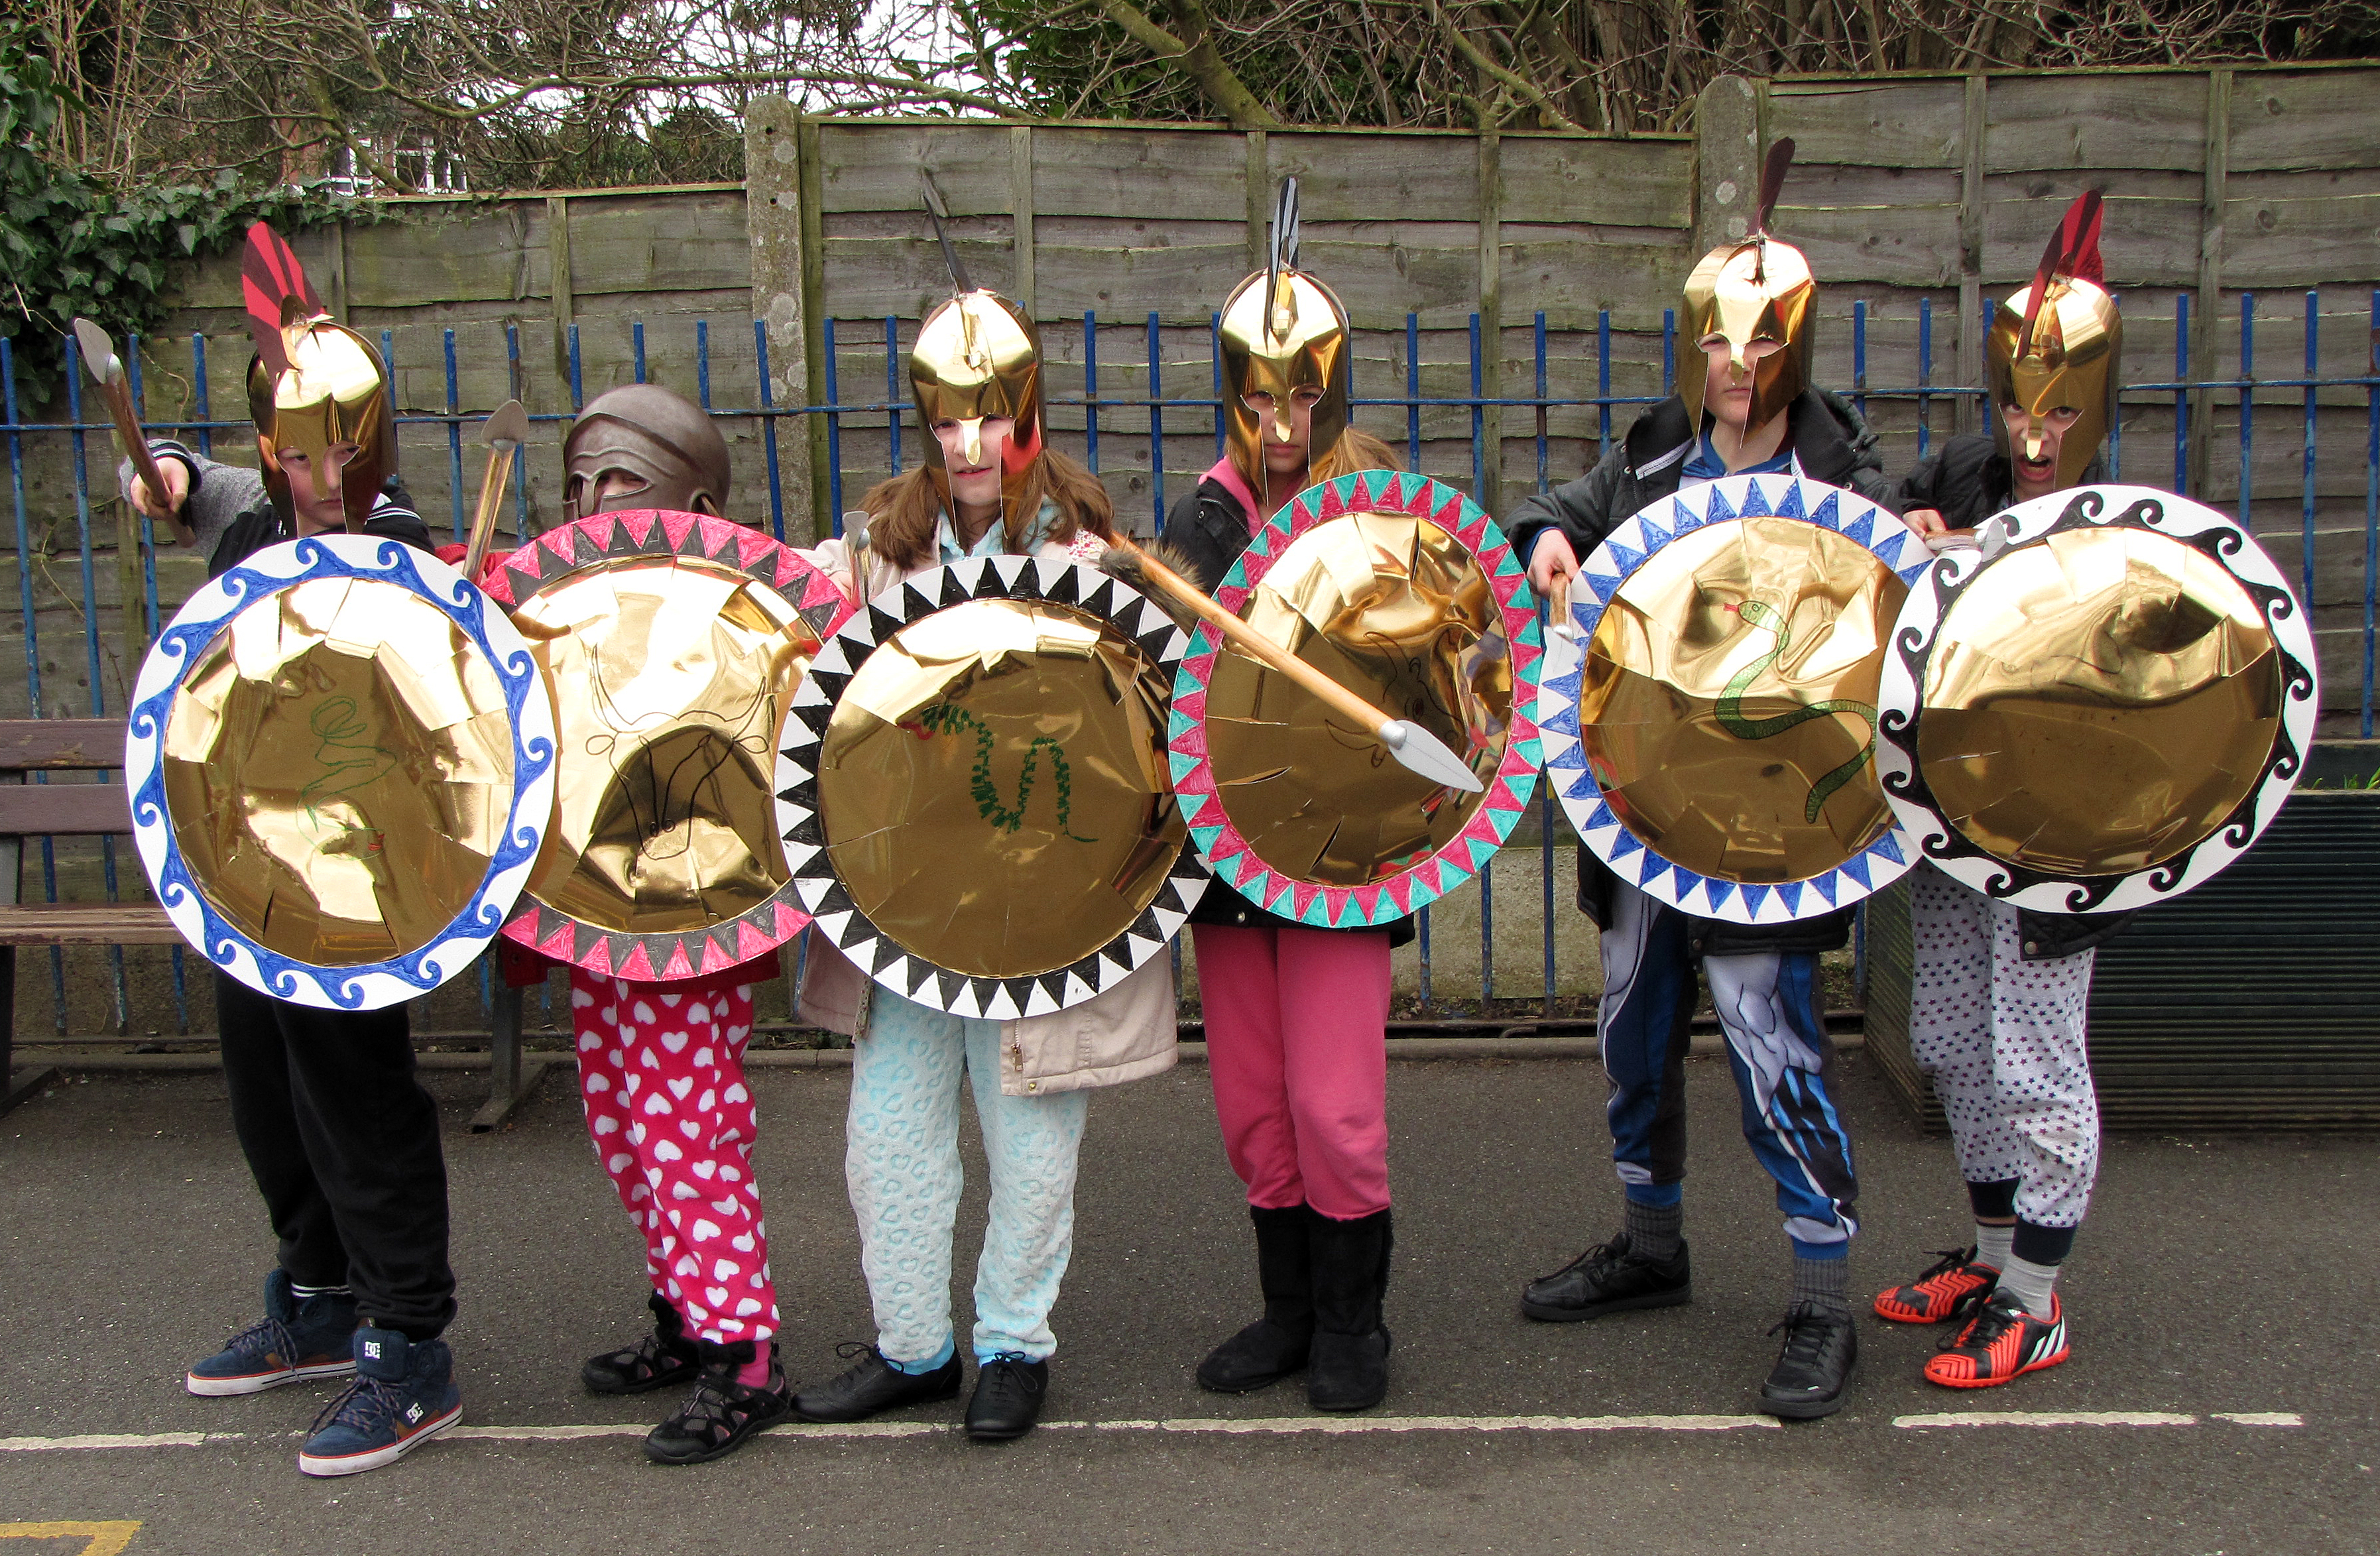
607 540
1400 887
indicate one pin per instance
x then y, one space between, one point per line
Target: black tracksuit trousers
344 1145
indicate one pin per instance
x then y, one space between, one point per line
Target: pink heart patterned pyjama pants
661 1070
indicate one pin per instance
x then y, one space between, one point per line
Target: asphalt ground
2218 1278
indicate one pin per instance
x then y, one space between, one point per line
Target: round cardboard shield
972 788
1401 589
2099 705
1711 727
341 762
672 642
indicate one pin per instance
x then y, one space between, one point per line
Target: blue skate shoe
294 1341
404 1394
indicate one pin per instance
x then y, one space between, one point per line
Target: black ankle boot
1275 1345
1348 1368
663 1359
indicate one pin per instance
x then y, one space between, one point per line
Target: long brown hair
1355 450
904 512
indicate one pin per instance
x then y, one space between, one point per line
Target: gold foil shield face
993 787
338 769
1728 705
1398 611
2097 702
670 679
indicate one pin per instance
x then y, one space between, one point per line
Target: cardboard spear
107 372
503 431
1413 746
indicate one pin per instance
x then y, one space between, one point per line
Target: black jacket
1210 537
257 527
1967 483
1829 443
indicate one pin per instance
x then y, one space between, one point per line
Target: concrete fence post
773 165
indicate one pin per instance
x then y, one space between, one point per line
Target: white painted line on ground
539 1434
1262 1426
2049 1419
1334 1424
115 1440
638 1428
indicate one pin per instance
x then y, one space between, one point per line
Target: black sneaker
293 1342
1007 1401
722 1415
871 1385
404 1394
1608 1278
1815 1367
663 1359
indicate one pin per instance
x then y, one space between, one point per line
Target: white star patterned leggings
660 1068
2003 1039
902 1166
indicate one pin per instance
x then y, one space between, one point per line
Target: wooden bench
30 809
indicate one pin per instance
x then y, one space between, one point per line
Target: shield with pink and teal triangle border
608 538
1417 882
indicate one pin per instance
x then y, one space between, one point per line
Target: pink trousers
660 1068
1296 1045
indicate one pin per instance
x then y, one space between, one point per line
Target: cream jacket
1128 1032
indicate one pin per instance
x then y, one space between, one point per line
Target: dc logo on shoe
413 1412
372 1349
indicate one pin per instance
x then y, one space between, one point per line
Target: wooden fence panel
1906 190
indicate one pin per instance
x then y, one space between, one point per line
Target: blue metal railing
1919 392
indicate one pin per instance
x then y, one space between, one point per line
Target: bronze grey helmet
641 430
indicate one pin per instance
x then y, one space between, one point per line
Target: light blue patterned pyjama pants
901 1165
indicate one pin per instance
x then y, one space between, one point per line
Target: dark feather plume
1772 183
937 213
1282 250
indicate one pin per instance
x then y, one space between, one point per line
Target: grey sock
1824 1284
1654 1230
2030 1283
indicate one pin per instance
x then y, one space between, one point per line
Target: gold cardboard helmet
1283 331
978 356
313 384
1759 289
644 431
2057 344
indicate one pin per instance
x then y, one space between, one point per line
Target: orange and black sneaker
1951 1289
2001 1343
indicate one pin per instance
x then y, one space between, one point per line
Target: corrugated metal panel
2252 1002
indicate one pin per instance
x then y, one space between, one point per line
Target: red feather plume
2073 253
275 287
